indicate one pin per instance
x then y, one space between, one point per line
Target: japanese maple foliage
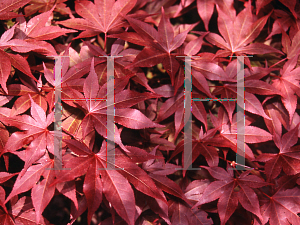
147 182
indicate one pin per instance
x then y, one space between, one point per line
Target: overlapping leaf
288 157
180 213
200 147
145 189
36 29
245 29
175 104
31 89
21 213
112 182
7 6
228 133
252 86
46 5
96 111
16 60
282 207
230 191
99 17
288 85
160 43
35 134
206 8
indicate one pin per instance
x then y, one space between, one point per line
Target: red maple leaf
228 133
42 190
175 105
35 134
114 184
230 191
7 6
125 57
96 111
200 146
288 157
9 59
46 5
158 171
102 16
252 86
181 213
288 85
159 44
23 102
282 207
238 32
206 8
36 31
21 212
